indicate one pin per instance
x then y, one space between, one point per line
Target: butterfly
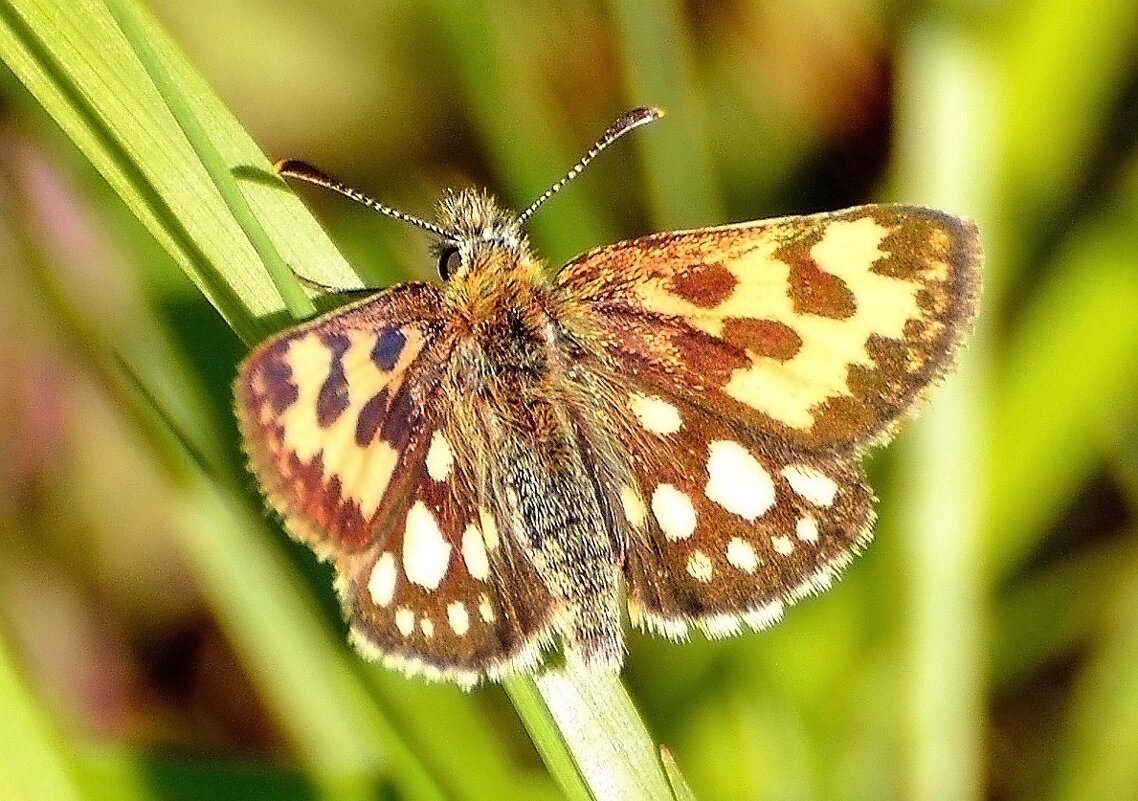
673 425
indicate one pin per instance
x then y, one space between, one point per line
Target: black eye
449 262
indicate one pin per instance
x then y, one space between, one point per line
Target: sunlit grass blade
945 91
86 77
600 730
136 31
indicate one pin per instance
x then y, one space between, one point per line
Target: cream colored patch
458 617
810 484
806 529
372 477
485 608
404 621
474 553
699 566
782 545
737 482
381 583
655 414
489 529
674 512
425 553
440 457
427 626
634 510
740 554
786 391
364 472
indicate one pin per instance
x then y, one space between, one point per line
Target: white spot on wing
474 553
405 621
811 484
699 566
782 545
740 554
674 512
655 414
737 482
425 552
440 457
806 529
381 583
427 627
458 617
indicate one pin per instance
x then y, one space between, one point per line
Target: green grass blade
1058 95
135 30
547 737
83 73
680 787
1096 759
945 91
596 726
1047 432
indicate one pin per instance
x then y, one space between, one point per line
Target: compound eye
449 262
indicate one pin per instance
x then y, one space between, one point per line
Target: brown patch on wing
704 284
331 413
768 338
333 398
324 502
812 289
273 382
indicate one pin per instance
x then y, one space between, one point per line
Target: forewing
821 331
334 414
345 425
727 530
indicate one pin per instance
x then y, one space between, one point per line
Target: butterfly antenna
292 168
622 125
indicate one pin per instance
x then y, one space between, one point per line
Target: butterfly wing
334 411
725 530
346 429
437 595
746 368
821 331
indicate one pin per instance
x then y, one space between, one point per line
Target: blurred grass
33 762
988 633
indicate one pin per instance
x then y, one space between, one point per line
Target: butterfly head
478 230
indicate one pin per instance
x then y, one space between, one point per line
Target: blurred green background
160 638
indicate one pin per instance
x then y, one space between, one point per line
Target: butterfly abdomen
517 425
543 486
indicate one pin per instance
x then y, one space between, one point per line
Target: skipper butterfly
675 423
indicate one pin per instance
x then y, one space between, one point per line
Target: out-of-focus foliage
161 639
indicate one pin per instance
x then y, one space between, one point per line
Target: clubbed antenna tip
620 126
